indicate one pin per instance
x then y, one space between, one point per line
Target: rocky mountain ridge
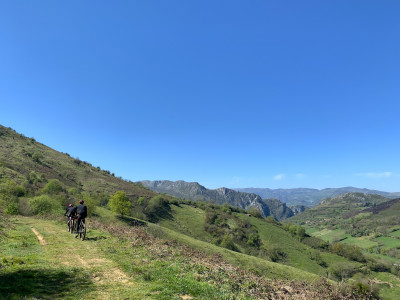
196 192
310 197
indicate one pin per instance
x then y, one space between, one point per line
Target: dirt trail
63 249
39 236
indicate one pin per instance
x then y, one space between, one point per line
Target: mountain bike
72 224
81 231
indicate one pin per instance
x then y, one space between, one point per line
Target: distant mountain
298 209
195 191
309 197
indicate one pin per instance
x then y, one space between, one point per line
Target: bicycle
81 231
72 224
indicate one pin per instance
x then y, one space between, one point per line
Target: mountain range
196 192
310 197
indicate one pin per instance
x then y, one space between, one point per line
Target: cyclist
70 212
81 211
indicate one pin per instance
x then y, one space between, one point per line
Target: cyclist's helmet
81 201
69 205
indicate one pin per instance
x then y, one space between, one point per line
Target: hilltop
196 192
31 163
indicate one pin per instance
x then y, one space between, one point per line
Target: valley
226 245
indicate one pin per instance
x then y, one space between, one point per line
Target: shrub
11 189
351 252
275 253
254 240
315 242
378 265
12 208
341 270
157 207
90 202
255 212
53 187
43 204
228 243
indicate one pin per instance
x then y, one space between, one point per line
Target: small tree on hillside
120 203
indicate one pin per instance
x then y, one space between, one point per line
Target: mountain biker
81 211
70 212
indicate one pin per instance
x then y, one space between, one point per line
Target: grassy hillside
163 246
369 221
33 164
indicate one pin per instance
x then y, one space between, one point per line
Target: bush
53 187
43 205
351 252
315 242
275 253
157 207
90 202
254 240
378 266
228 243
12 208
255 212
341 270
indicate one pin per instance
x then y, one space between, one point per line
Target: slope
40 259
369 221
28 161
190 220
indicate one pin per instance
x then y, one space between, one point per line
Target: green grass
28 271
331 235
258 265
188 220
362 242
395 233
389 285
389 242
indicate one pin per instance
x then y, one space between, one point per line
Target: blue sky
276 94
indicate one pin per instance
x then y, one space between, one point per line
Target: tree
120 203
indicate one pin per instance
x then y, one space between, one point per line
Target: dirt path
62 249
39 236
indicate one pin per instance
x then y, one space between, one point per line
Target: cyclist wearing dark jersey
69 212
81 211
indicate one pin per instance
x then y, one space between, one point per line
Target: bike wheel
73 227
69 225
83 231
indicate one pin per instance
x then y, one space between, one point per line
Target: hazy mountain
197 192
309 197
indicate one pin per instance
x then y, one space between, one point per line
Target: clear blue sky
276 94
